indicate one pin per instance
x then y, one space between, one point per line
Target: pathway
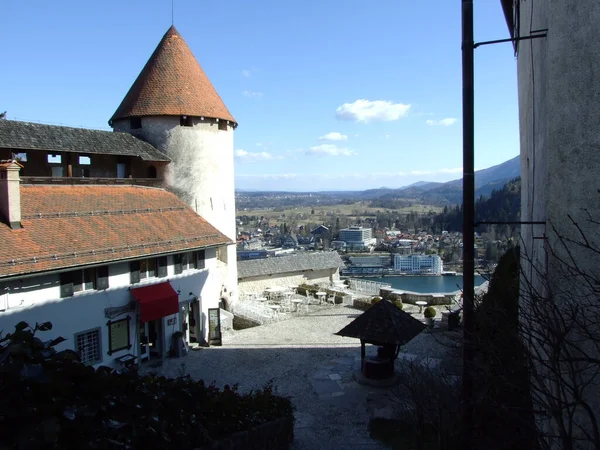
306 362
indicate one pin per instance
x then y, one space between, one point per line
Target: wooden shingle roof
383 323
34 136
172 83
68 226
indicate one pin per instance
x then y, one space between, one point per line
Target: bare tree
560 325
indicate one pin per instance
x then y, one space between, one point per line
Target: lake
426 284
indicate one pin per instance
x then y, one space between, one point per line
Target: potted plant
429 314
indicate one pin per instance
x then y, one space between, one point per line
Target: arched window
151 172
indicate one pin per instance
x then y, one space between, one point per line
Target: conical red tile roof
172 83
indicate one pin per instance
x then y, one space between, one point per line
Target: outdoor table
420 304
321 295
274 291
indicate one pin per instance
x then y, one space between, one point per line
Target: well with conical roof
385 325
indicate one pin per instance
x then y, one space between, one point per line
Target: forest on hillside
503 205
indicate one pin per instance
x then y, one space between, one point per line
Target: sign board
214 327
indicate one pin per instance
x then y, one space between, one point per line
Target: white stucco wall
37 299
201 173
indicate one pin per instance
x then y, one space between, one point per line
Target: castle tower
173 106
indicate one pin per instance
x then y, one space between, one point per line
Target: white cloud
249 157
246 73
333 136
329 150
442 122
367 111
252 94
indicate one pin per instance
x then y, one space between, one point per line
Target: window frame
127 346
97 330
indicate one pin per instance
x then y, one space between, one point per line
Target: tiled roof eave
100 262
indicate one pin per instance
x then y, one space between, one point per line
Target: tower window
185 121
223 125
135 123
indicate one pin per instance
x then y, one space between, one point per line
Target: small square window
88 345
54 158
223 125
84 160
135 123
186 121
21 157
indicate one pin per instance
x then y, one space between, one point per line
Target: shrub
398 304
361 303
430 312
375 300
52 400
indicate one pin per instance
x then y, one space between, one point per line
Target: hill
449 193
503 205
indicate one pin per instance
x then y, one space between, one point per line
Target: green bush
398 303
50 399
430 312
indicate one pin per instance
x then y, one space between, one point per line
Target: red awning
156 301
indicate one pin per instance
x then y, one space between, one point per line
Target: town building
357 237
123 238
418 264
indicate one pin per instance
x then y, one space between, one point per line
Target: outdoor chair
331 299
306 302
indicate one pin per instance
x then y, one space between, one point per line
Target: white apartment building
357 237
418 264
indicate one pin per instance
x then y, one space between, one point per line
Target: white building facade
117 270
357 237
418 264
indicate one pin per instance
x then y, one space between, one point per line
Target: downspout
468 222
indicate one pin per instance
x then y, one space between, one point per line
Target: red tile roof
66 226
172 83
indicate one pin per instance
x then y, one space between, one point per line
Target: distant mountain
433 193
486 180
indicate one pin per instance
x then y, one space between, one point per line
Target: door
185 321
121 170
144 347
150 339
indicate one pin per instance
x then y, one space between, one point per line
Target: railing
226 319
367 286
152 182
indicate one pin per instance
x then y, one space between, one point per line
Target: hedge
50 399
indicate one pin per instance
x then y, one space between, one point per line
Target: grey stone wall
559 113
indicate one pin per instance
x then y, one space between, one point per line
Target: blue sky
329 94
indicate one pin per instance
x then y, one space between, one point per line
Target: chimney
10 194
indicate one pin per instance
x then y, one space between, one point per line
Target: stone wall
257 285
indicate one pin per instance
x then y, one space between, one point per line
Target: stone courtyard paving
306 362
